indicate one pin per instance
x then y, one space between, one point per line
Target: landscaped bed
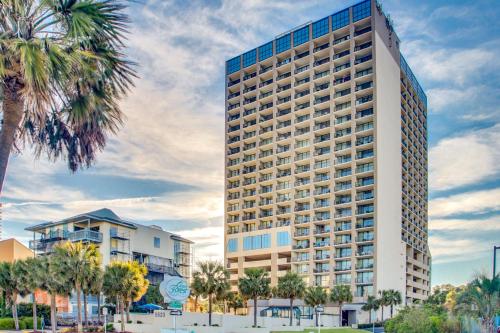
325 330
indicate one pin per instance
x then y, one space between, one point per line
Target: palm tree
315 296
384 300
196 290
255 284
91 285
341 294
116 281
139 285
393 298
62 72
236 302
34 282
9 288
290 286
484 296
80 261
214 281
372 303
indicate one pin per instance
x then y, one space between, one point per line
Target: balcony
85 235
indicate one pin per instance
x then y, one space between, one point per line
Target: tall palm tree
214 281
139 284
10 289
384 300
372 304
394 298
341 294
21 275
196 290
91 283
255 284
484 296
62 72
80 261
315 296
116 280
290 286
35 282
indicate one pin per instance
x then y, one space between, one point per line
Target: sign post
105 314
175 291
319 310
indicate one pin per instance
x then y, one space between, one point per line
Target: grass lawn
325 330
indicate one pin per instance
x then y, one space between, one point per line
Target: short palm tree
10 288
315 296
394 299
341 294
138 285
91 284
214 280
290 286
196 290
384 300
34 280
80 260
62 72
372 304
236 302
254 285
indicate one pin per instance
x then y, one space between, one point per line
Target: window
283 238
283 44
361 10
233 65
157 242
320 28
249 58
301 36
266 51
257 242
232 245
340 19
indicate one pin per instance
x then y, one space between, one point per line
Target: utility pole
495 248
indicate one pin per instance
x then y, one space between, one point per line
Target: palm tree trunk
340 314
14 314
79 307
85 317
196 304
13 108
316 317
370 316
53 309
254 312
391 310
35 319
382 307
122 312
291 311
99 309
209 310
129 303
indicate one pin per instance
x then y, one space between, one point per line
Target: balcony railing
86 236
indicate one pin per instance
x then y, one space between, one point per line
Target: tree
384 300
290 286
138 284
481 298
341 294
10 289
372 304
255 284
62 73
393 298
79 260
91 285
196 290
153 296
214 282
315 296
34 282
236 302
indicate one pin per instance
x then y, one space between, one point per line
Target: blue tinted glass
266 51
283 238
301 36
233 65
283 44
340 19
361 10
266 241
249 58
320 28
247 243
232 245
256 242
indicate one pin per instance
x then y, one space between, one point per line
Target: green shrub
7 324
110 328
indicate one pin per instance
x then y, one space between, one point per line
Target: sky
166 165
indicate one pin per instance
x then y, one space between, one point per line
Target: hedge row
24 323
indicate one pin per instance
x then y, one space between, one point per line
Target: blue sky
166 165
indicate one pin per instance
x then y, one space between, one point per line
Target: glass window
266 241
361 10
156 242
301 36
266 51
247 243
340 19
257 242
320 28
233 65
232 245
249 58
283 44
283 238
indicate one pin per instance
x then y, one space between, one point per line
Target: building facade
118 240
326 158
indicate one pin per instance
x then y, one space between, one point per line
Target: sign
175 305
320 309
176 313
104 311
174 288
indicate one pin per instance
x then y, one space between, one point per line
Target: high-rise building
118 240
326 158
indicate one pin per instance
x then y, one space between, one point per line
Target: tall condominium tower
326 158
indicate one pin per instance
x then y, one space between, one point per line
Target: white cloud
491 224
446 250
465 203
442 98
465 159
